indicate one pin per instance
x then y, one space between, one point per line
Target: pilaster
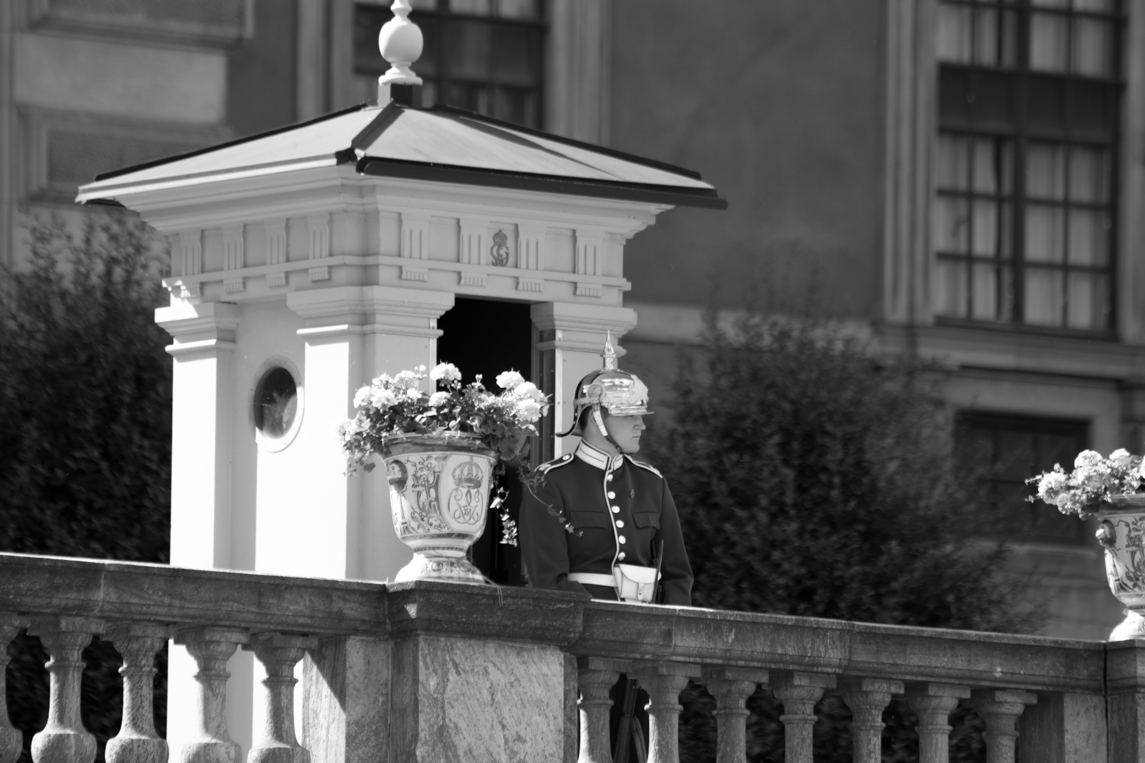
352 334
571 339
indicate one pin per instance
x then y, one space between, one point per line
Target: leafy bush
85 431
85 397
816 479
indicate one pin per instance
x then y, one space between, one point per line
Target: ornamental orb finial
400 43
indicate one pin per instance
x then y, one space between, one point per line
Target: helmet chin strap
599 421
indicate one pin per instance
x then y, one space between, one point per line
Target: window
481 55
1001 452
1026 161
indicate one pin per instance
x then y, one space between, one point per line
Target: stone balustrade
442 672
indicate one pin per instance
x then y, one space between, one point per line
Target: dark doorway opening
486 337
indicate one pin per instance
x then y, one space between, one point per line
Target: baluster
799 692
279 654
731 687
11 740
1001 709
867 698
933 703
211 648
64 739
595 677
664 682
137 741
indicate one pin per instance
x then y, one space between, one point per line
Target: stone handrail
521 665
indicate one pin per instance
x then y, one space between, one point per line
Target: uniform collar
597 457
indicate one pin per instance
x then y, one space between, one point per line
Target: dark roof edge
228 144
664 166
688 197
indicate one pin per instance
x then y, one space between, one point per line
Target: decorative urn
439 498
1121 532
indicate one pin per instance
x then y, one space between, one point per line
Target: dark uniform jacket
622 509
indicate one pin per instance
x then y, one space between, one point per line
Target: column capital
205 327
573 326
371 309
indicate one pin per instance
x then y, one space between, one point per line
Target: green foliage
85 432
815 479
85 396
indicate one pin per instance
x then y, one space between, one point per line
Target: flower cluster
1094 481
392 406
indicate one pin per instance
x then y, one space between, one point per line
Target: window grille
1024 217
1000 452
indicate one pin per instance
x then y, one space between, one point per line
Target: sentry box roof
439 144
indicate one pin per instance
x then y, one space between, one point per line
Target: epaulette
649 467
562 461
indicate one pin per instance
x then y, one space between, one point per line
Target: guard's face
626 430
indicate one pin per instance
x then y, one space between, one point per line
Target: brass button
620 556
611 494
615 509
622 539
620 523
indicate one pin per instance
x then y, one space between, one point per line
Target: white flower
528 410
1087 458
509 380
413 393
445 372
405 380
438 398
1121 454
362 397
529 390
382 398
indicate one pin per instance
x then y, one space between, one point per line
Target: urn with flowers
442 451
1109 489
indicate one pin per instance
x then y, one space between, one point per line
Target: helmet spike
609 354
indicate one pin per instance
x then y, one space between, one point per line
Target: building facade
959 179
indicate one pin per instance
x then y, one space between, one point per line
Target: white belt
593 578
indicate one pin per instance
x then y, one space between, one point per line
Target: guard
621 508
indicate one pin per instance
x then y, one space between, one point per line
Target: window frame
997 422
1018 134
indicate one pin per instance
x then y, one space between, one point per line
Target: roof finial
400 43
609 354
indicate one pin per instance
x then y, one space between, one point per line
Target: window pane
1088 175
1092 48
991 293
1088 238
467 45
1049 36
1093 110
1045 171
1045 232
420 5
1050 3
954 33
518 9
471 7
992 167
1044 297
951 225
1095 6
951 288
953 162
516 56
1087 301
991 229
996 39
